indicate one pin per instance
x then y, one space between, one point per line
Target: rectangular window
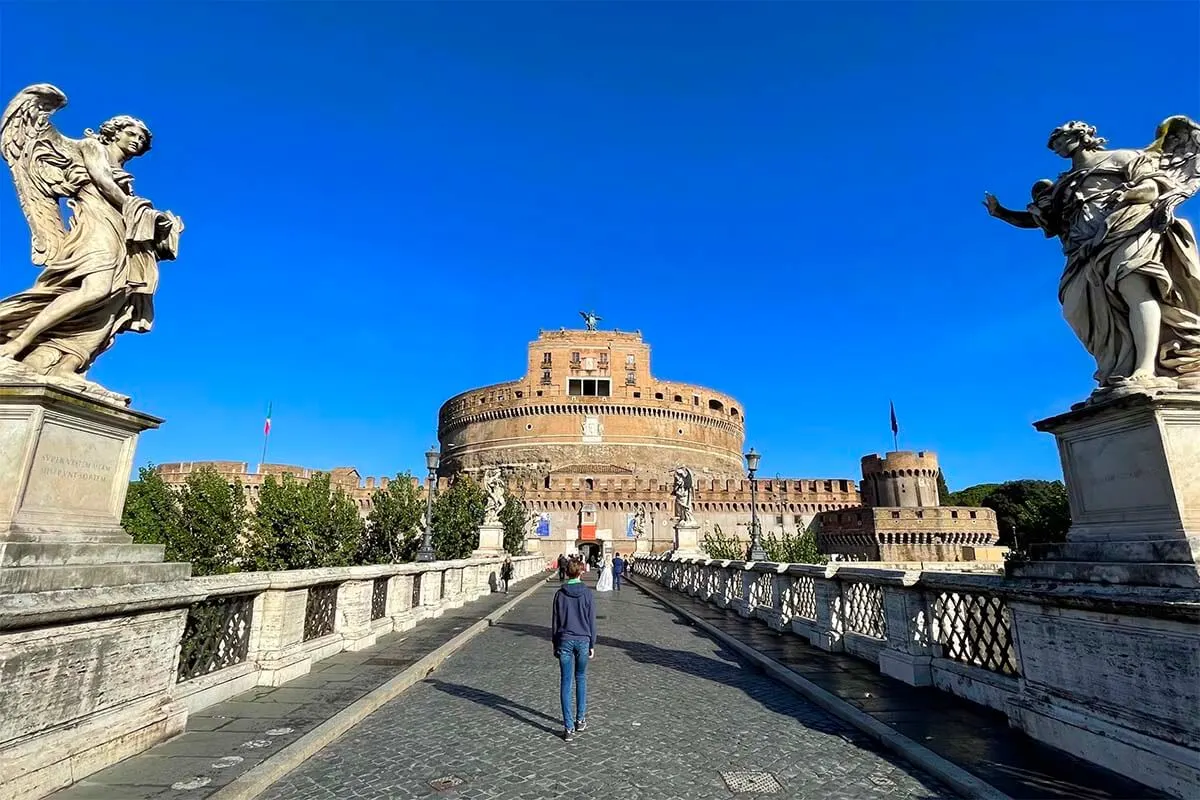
779 519
630 378
604 359
545 376
575 358
695 399
629 361
589 387
546 359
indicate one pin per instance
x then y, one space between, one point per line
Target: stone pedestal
687 539
1132 470
89 623
491 540
1109 622
642 545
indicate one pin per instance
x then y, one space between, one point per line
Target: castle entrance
590 549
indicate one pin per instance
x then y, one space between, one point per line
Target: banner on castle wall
630 533
543 525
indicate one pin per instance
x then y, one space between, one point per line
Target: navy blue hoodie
574 615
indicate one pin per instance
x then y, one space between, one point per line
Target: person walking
573 632
562 567
506 572
618 569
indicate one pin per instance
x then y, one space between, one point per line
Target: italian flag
267 424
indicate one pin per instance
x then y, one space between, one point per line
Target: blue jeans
617 580
573 664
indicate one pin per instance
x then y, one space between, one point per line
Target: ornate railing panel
804 597
975 629
379 590
320 611
762 591
216 635
864 609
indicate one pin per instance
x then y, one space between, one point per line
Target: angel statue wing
40 159
1177 141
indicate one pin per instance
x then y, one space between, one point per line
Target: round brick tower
589 404
903 479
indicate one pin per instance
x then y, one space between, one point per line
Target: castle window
630 378
589 387
604 360
545 376
658 395
798 521
637 395
972 515
779 519
547 481
895 515
520 394
733 412
589 484
629 360
953 515
695 399
575 358
678 398
539 393
545 359
715 405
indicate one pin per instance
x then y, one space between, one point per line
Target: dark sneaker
581 725
569 736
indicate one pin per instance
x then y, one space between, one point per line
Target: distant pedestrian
506 573
573 631
618 567
562 567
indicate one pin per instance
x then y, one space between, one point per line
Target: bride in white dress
605 583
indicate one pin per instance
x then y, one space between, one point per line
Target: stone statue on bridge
99 273
639 522
494 496
1131 286
684 492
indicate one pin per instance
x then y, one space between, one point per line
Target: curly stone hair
1086 133
110 129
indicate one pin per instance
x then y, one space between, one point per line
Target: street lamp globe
752 460
432 458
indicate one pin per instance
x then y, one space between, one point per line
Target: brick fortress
589 435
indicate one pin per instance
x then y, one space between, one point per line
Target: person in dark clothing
562 567
506 573
618 566
573 632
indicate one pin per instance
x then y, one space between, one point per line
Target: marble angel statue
1131 286
100 271
639 522
494 490
683 492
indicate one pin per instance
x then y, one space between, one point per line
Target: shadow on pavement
501 704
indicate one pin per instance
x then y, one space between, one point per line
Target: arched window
589 484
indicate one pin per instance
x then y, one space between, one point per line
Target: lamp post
425 551
651 542
757 553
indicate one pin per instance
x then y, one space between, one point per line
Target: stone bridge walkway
669 712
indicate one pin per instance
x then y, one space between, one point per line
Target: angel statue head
1066 139
130 135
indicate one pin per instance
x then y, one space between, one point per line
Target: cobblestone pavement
669 712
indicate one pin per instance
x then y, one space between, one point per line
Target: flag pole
895 427
266 438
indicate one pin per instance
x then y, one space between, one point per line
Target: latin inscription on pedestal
75 470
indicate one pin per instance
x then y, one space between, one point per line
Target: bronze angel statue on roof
1131 286
100 271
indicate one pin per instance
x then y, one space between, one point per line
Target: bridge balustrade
266 628
949 630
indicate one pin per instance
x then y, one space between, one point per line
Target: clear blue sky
385 202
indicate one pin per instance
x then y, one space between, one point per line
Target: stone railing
949 630
266 628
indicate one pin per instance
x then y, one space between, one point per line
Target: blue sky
385 202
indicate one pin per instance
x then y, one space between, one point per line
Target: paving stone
669 710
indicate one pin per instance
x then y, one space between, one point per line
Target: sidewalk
975 738
226 740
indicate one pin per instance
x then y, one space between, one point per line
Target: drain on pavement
448 782
752 781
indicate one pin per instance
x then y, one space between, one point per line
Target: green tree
394 525
972 496
214 517
794 548
152 515
1030 512
300 525
515 520
457 515
718 545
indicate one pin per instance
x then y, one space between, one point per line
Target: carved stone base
491 540
1132 469
687 539
1118 688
